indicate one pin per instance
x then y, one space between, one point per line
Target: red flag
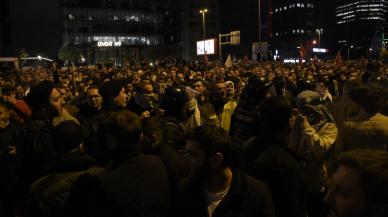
338 59
302 52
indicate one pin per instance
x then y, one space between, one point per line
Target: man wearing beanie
114 96
50 193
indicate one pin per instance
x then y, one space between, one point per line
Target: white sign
320 50
109 44
209 47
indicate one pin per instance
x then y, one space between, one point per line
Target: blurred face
320 88
220 91
121 99
56 99
94 99
148 89
4 117
198 86
19 92
180 77
230 89
345 197
129 88
196 159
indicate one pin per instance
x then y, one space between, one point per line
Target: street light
314 42
320 32
203 12
259 14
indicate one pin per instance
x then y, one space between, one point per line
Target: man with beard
359 187
214 187
114 96
144 101
224 107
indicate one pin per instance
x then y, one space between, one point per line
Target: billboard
207 47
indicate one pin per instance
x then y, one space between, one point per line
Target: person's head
274 114
279 84
173 101
359 186
369 98
113 93
93 98
208 151
219 91
310 105
5 115
120 133
152 134
46 98
19 90
321 86
256 89
229 88
199 86
67 136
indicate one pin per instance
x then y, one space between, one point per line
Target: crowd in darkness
179 139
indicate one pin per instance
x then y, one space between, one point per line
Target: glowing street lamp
203 12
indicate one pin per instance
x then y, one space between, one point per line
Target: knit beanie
40 94
111 90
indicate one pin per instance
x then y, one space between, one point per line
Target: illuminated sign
320 50
109 44
209 46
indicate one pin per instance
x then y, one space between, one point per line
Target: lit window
280 9
71 17
90 18
115 18
302 31
285 7
298 5
276 10
302 5
293 31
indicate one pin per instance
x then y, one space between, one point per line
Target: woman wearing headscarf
313 136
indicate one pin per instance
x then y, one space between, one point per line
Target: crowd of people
177 139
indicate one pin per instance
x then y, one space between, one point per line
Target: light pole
351 47
319 31
259 14
203 12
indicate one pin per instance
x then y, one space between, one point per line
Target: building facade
361 24
293 25
112 30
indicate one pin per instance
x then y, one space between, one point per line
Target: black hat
40 94
111 89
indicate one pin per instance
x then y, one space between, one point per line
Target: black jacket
9 136
275 164
247 197
136 185
50 193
